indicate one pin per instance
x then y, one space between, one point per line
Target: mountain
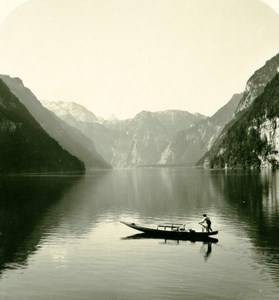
24 144
70 112
86 122
252 140
68 137
190 144
254 89
149 134
257 82
132 142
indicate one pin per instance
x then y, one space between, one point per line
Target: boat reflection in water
150 236
206 248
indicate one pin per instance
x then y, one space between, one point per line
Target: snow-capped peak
65 109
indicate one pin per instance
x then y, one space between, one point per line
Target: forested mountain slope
67 136
24 144
252 139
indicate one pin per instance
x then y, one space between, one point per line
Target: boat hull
171 234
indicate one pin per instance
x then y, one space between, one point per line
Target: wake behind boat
172 231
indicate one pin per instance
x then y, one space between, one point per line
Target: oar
203 226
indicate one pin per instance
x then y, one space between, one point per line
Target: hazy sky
123 56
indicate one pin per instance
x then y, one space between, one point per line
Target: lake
61 237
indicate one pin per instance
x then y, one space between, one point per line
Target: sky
119 57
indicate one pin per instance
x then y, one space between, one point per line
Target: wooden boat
172 231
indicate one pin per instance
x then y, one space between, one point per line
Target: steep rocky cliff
217 156
257 82
190 144
252 139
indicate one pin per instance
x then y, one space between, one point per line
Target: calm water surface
61 237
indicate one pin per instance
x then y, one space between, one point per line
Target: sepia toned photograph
139 149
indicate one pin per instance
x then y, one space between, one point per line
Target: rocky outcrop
269 132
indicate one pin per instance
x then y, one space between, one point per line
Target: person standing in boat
206 220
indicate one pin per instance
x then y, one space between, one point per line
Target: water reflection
24 201
253 199
138 236
206 248
71 227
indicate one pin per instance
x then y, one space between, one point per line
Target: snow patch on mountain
67 110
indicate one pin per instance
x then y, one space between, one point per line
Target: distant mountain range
170 137
67 136
132 142
243 133
24 144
